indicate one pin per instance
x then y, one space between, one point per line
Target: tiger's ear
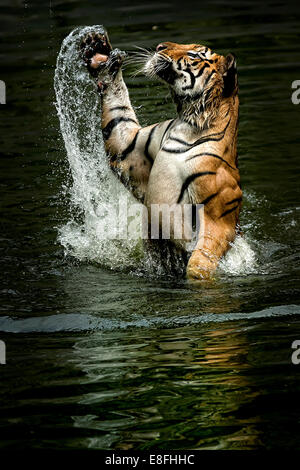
230 76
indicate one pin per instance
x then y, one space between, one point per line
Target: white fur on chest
174 163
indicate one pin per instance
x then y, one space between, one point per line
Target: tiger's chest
182 172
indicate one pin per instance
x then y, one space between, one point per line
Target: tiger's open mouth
164 70
161 67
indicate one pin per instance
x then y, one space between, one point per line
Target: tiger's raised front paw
115 61
98 55
95 51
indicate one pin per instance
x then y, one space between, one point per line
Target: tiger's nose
160 47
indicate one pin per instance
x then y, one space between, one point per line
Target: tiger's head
198 78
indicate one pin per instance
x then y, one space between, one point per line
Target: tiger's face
192 71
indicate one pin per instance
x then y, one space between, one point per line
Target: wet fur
191 159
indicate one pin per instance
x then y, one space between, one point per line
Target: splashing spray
93 185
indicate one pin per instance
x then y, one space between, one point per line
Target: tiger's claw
95 51
98 55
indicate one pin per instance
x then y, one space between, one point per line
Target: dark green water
99 357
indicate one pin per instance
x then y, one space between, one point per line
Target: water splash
240 259
93 185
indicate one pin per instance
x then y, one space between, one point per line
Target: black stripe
237 199
197 143
209 198
202 70
202 140
130 147
146 151
180 141
236 126
119 108
222 133
189 180
192 54
179 63
227 112
191 86
107 130
228 211
166 130
211 155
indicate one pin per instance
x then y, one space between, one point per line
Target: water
105 347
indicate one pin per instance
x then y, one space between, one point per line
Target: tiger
190 159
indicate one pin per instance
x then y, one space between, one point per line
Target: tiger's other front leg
123 137
211 246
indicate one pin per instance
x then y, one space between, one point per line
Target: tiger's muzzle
164 70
